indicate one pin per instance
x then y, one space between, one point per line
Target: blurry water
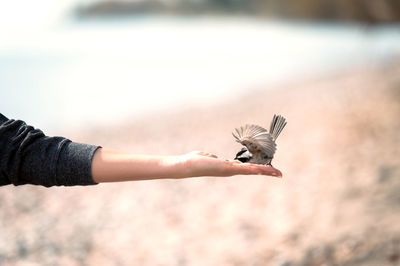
84 73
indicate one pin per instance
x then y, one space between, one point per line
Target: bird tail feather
277 124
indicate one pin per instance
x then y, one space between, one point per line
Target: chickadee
259 144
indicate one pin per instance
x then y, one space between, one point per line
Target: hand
199 163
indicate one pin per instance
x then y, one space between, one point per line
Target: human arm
111 166
28 156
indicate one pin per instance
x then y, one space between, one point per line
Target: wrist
177 166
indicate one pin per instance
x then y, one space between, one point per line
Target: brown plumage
259 144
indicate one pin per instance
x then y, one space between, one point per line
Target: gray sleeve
27 156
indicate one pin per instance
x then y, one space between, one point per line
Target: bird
259 144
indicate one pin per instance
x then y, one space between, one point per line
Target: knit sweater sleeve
27 156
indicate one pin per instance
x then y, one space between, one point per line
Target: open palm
207 164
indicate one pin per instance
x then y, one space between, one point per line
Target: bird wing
256 139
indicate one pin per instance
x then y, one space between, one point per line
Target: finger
208 154
234 161
258 170
262 166
269 169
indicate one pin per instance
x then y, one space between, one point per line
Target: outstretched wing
256 139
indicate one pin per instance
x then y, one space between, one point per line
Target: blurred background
171 76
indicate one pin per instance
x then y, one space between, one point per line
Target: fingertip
274 172
279 173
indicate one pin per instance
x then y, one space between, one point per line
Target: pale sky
23 15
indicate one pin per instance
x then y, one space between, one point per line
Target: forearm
111 166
